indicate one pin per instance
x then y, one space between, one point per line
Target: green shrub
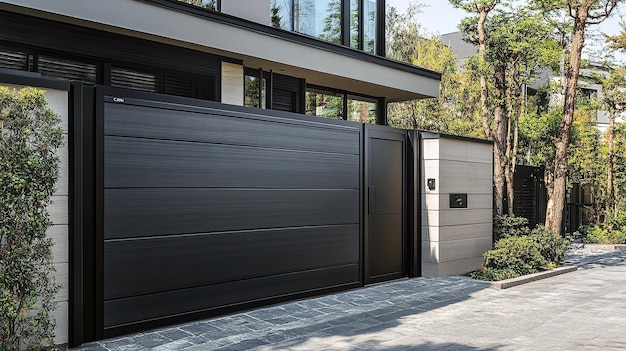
595 234
29 136
551 246
521 251
494 274
519 254
508 226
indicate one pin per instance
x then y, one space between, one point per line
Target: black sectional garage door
206 207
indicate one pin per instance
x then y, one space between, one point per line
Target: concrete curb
509 283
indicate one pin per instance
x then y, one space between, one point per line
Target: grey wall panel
135 162
213 126
165 211
137 267
146 307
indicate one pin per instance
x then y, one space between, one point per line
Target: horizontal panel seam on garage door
320 268
258 116
169 236
250 146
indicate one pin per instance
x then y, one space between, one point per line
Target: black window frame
381 117
379 41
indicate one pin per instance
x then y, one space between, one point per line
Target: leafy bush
521 251
518 254
595 234
550 244
29 136
508 226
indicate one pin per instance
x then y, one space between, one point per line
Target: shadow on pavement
602 260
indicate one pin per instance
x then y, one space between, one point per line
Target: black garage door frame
88 202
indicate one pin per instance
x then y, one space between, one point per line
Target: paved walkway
583 310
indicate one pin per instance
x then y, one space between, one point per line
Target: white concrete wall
59 214
454 239
256 11
232 84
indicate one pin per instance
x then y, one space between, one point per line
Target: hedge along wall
59 214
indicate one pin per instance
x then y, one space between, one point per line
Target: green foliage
612 232
508 226
28 171
275 15
519 254
454 111
551 245
521 251
596 234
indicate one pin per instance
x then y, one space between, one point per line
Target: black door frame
389 133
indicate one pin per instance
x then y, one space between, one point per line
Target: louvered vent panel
63 69
132 79
13 60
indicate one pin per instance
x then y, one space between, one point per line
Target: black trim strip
22 79
296 37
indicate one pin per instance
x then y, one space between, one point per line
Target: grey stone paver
582 310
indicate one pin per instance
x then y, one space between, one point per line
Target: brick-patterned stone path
583 310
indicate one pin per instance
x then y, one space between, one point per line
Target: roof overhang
255 45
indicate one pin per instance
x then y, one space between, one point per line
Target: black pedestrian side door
385 203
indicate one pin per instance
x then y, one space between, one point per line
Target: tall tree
521 42
498 132
614 99
583 14
453 112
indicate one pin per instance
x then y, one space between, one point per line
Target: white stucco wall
454 239
59 214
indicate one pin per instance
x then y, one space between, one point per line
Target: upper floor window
205 4
354 23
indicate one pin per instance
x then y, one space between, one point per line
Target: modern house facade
198 175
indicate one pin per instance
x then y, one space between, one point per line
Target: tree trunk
516 103
556 205
484 109
501 158
610 193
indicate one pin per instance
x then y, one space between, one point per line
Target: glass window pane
281 12
354 23
319 18
324 105
369 30
252 97
207 4
360 110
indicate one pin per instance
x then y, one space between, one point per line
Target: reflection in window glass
324 105
207 4
369 28
253 97
319 18
360 110
281 12
354 23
